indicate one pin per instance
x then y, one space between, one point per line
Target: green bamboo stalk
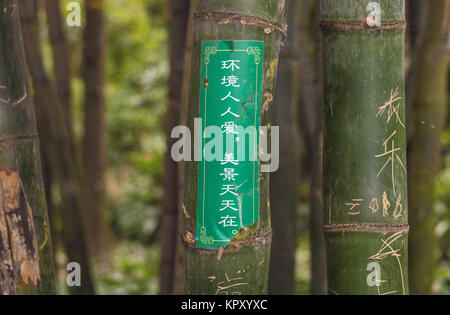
284 182
261 20
26 258
311 122
365 194
94 142
430 101
61 160
178 24
178 278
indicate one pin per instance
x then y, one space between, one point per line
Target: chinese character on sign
230 80
228 174
228 221
229 112
230 127
227 189
229 158
229 96
228 204
227 64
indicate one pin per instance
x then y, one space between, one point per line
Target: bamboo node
333 228
227 17
362 26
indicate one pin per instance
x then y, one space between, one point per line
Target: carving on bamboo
387 250
8 101
230 286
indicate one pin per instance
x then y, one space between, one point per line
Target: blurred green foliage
442 206
133 270
137 70
302 266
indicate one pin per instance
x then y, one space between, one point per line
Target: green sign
230 106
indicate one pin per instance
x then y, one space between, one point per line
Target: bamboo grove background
106 96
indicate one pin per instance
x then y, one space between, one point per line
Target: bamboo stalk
311 122
58 148
26 258
365 195
430 103
246 257
178 23
284 182
94 142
